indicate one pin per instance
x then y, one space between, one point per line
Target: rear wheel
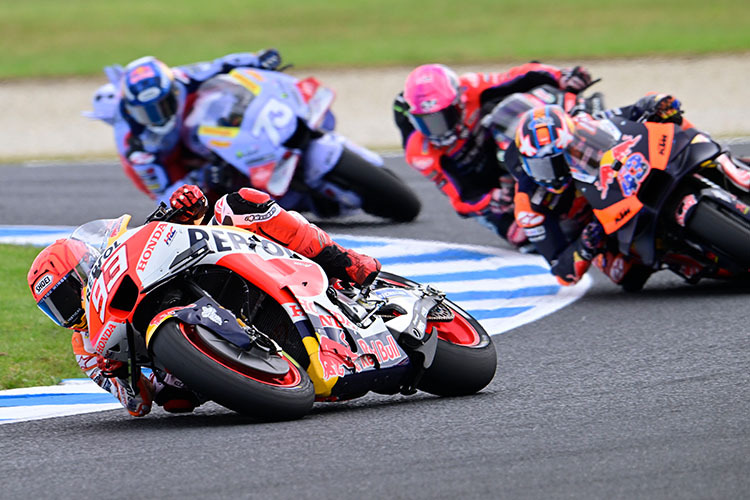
460 369
219 373
465 361
726 232
382 192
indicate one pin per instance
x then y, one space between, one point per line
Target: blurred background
53 54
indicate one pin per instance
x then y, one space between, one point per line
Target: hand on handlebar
191 201
591 240
661 108
575 79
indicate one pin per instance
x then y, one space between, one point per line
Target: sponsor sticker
43 283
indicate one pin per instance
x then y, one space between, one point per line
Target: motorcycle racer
439 115
153 101
554 214
59 274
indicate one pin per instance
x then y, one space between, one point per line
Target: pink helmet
433 94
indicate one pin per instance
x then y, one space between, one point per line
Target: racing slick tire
382 192
179 350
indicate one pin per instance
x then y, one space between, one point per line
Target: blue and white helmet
150 94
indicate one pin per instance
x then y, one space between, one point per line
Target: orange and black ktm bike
668 198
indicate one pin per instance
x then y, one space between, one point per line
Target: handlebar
164 213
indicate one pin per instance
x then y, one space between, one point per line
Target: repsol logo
233 241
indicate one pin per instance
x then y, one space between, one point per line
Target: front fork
408 324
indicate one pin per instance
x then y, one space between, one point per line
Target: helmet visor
439 127
154 113
63 302
550 171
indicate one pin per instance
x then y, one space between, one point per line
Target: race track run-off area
503 289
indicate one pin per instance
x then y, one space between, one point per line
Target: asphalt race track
618 396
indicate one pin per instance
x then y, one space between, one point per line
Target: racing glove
575 79
661 108
269 59
501 198
191 200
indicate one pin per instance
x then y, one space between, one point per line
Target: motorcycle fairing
343 356
628 165
337 348
142 257
254 144
318 98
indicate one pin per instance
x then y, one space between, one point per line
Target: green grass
78 37
33 350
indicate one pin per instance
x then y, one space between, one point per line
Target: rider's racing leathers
158 162
468 171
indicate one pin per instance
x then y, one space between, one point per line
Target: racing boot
255 211
172 395
346 265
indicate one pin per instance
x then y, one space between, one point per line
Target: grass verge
79 37
33 350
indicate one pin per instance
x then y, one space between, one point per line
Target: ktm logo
662 144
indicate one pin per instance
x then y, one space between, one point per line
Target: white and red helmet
433 94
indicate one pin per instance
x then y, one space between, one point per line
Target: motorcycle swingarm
410 329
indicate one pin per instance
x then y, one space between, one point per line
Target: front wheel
465 361
179 349
382 192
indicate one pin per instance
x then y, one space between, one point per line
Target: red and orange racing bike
259 329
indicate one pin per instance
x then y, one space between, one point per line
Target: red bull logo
606 175
619 153
633 173
140 73
336 359
388 351
625 148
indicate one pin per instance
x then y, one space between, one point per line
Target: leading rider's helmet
150 93
57 277
542 137
433 94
